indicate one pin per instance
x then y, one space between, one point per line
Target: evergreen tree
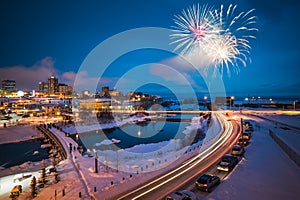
33 187
42 179
57 179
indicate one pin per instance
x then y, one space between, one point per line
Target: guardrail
48 134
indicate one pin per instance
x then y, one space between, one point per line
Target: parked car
249 128
17 189
242 142
227 163
248 131
237 150
246 136
206 182
182 195
247 123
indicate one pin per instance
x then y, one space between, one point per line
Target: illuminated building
52 85
8 85
43 86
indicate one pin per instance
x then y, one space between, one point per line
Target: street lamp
96 160
230 102
175 144
205 98
295 104
77 137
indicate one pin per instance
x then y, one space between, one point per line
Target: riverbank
17 134
26 167
119 171
24 142
83 128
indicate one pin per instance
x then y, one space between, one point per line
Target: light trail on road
228 131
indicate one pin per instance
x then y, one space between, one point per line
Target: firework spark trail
239 27
195 27
222 36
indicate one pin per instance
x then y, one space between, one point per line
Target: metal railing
48 134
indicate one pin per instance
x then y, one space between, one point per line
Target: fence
48 134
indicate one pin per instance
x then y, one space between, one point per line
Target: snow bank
96 126
146 148
197 123
108 142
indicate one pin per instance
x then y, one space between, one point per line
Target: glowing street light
230 102
205 98
96 160
77 137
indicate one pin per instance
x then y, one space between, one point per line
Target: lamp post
96 160
204 105
230 102
242 131
175 144
295 104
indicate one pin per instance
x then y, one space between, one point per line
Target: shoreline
26 167
16 134
21 141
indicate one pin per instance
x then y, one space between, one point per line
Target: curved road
191 168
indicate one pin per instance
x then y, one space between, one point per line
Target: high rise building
105 91
52 85
65 89
9 85
43 86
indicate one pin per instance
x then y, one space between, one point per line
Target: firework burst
195 27
222 35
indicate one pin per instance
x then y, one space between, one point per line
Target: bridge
159 112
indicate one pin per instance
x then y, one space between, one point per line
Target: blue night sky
43 37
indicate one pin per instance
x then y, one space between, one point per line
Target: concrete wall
288 150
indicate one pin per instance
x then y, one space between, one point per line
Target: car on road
237 150
206 182
248 130
182 195
247 123
246 136
242 142
227 163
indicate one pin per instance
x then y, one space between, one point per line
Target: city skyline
56 41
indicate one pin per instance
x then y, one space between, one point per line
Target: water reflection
133 134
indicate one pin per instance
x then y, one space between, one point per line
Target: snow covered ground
18 133
290 118
77 172
80 128
266 172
